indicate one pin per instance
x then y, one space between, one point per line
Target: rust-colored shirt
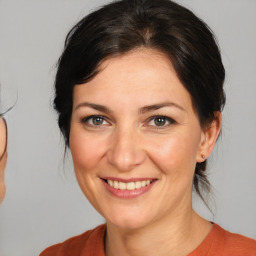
219 242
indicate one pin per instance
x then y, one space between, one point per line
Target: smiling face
3 157
135 140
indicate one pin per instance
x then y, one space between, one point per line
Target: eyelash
88 118
153 118
165 118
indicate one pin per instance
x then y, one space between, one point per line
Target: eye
160 121
95 121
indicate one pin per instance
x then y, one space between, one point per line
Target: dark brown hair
163 25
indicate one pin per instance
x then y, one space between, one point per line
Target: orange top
219 242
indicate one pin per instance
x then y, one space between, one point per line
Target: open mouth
131 185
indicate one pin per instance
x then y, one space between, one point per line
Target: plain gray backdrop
44 204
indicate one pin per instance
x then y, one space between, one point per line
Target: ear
209 137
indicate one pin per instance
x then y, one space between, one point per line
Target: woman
139 93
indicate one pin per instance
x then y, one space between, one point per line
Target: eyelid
85 120
168 119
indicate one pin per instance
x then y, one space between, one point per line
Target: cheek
87 149
175 154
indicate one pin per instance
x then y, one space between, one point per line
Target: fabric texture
219 242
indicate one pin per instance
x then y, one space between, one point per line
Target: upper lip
127 180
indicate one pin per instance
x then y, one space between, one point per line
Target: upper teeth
129 185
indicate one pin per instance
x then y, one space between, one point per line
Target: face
3 157
135 140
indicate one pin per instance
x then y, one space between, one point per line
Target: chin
130 221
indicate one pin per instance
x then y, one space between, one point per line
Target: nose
126 150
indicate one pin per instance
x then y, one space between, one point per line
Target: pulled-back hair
162 25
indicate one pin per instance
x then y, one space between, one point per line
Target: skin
128 144
3 157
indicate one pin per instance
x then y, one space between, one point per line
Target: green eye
160 121
97 120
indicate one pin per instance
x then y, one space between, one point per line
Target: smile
128 188
128 185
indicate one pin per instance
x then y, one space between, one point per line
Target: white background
44 204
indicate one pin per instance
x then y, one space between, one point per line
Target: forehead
141 76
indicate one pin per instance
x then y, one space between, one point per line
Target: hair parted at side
126 25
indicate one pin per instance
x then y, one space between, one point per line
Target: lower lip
128 193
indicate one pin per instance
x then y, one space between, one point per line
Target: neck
178 235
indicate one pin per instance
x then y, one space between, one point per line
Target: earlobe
208 138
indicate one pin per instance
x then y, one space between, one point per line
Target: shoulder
76 245
235 244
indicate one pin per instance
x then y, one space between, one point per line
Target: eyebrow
98 107
142 110
158 106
